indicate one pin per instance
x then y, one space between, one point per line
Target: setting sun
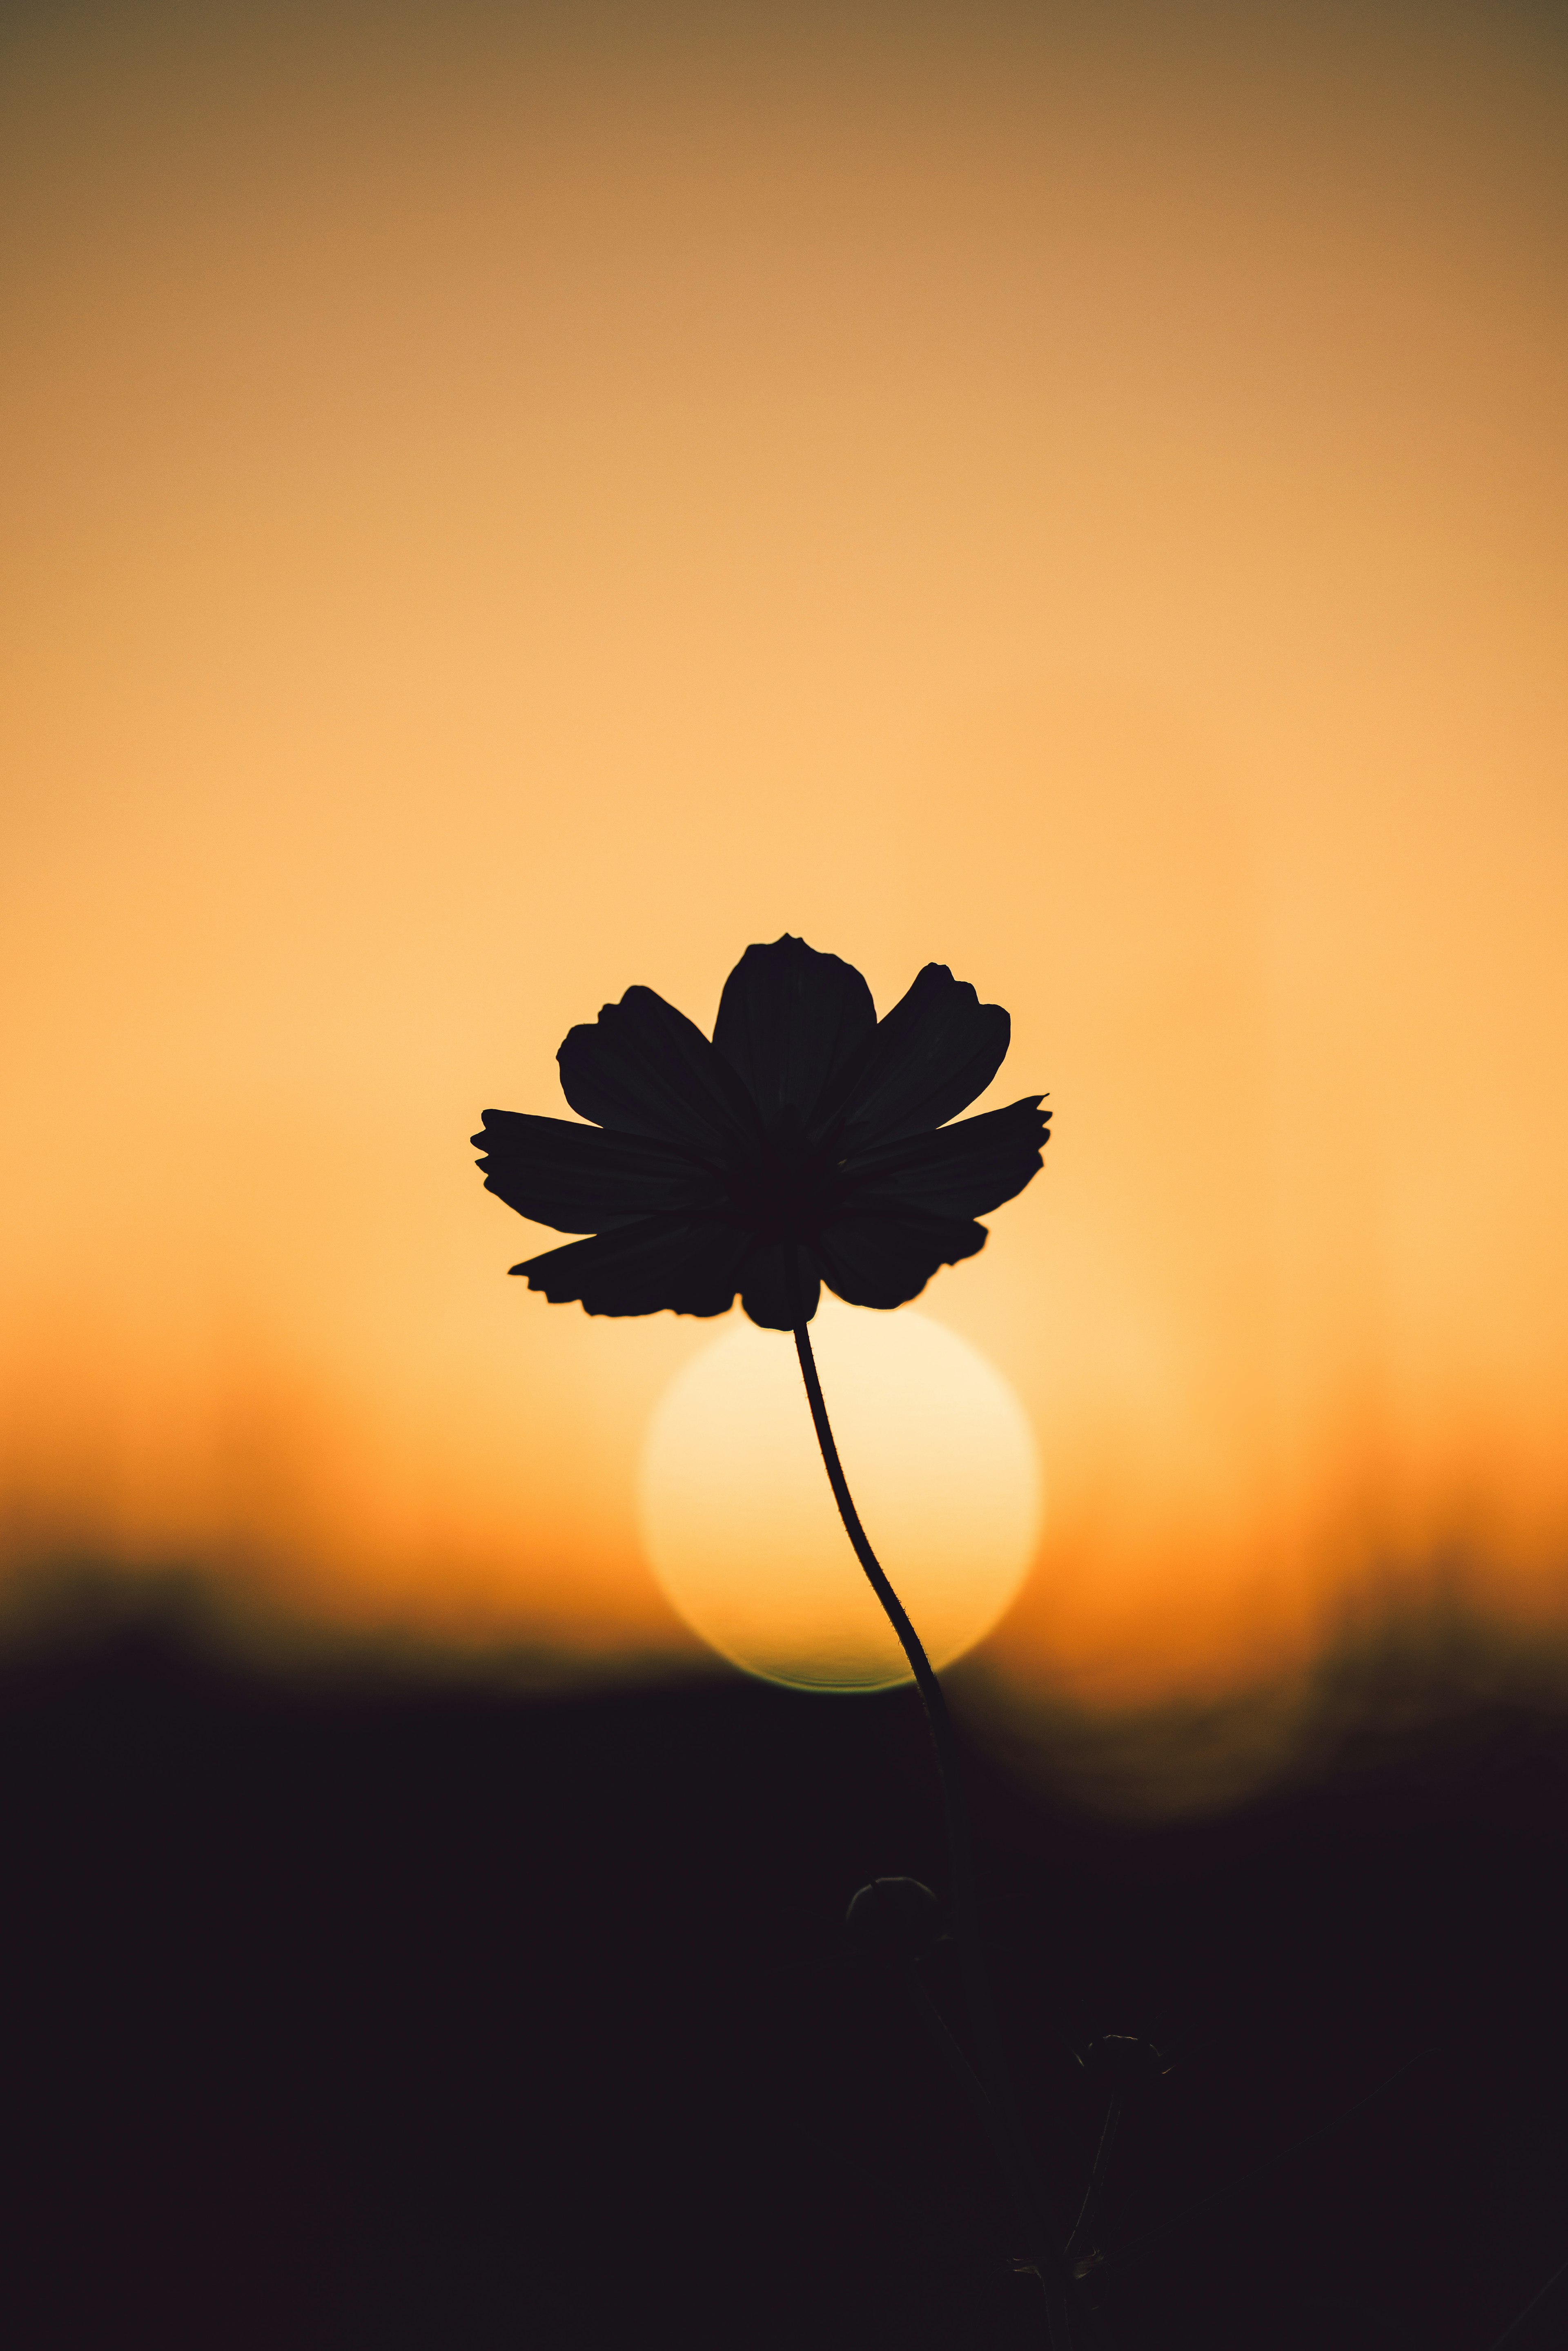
741 1528
530 505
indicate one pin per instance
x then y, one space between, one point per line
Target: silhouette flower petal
766 1289
935 1051
884 1259
643 1067
788 1021
689 1264
808 1142
584 1179
959 1171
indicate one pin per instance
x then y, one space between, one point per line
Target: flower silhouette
806 1144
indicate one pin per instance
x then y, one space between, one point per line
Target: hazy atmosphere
501 505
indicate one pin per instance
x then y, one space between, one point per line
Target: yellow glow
741 1525
538 499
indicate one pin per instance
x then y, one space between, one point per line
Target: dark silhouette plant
806 1142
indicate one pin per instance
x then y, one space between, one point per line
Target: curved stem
1097 2187
1045 2237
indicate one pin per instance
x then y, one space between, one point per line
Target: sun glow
742 1530
533 504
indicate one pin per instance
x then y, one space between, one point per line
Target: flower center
785 1190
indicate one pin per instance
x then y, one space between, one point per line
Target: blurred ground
392 2014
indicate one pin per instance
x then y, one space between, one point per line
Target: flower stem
978 2096
1045 2238
1096 2187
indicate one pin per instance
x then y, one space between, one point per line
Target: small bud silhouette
1121 2059
892 1918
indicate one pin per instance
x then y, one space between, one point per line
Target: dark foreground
405 2017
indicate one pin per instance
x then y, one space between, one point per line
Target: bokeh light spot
742 1530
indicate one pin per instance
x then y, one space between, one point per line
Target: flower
806 1144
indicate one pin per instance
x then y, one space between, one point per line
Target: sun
741 1528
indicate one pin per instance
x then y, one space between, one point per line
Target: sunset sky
504 502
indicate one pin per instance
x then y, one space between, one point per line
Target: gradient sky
502 503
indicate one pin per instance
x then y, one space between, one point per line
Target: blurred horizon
501 506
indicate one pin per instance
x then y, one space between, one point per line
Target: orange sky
501 505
